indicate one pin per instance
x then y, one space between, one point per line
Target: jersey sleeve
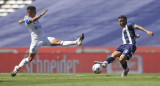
27 20
131 25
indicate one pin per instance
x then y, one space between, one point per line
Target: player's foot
80 40
97 62
16 68
101 63
125 73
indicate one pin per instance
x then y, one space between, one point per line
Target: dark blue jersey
128 34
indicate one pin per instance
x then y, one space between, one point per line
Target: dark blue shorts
127 50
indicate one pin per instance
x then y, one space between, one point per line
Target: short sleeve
130 25
27 20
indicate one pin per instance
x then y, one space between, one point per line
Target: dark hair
123 16
31 8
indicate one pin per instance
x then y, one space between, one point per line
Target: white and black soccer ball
97 68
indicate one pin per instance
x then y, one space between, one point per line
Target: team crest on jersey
126 51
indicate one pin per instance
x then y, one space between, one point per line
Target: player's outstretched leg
69 43
15 70
80 40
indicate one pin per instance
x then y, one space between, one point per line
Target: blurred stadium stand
98 19
8 6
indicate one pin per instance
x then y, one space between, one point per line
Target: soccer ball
97 68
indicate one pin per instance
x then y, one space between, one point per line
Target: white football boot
102 63
16 69
80 40
125 73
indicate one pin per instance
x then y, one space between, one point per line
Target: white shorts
36 44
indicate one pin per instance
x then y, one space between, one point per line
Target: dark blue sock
110 59
124 65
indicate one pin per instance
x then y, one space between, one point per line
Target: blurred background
66 20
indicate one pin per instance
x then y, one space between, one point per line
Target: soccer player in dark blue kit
127 49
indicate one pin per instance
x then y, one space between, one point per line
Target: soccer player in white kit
38 38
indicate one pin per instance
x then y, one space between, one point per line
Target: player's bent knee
122 60
116 54
56 42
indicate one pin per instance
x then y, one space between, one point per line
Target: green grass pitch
78 79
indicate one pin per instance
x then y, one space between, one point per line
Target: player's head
122 20
31 11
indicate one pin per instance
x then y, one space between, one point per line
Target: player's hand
44 12
137 36
150 33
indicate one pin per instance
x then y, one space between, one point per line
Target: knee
122 60
56 42
114 55
30 59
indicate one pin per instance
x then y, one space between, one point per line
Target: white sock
67 43
23 62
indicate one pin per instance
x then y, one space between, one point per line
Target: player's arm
37 17
143 29
21 21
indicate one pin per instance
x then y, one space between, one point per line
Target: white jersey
37 35
34 28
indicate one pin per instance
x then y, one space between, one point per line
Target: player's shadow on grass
5 81
108 75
